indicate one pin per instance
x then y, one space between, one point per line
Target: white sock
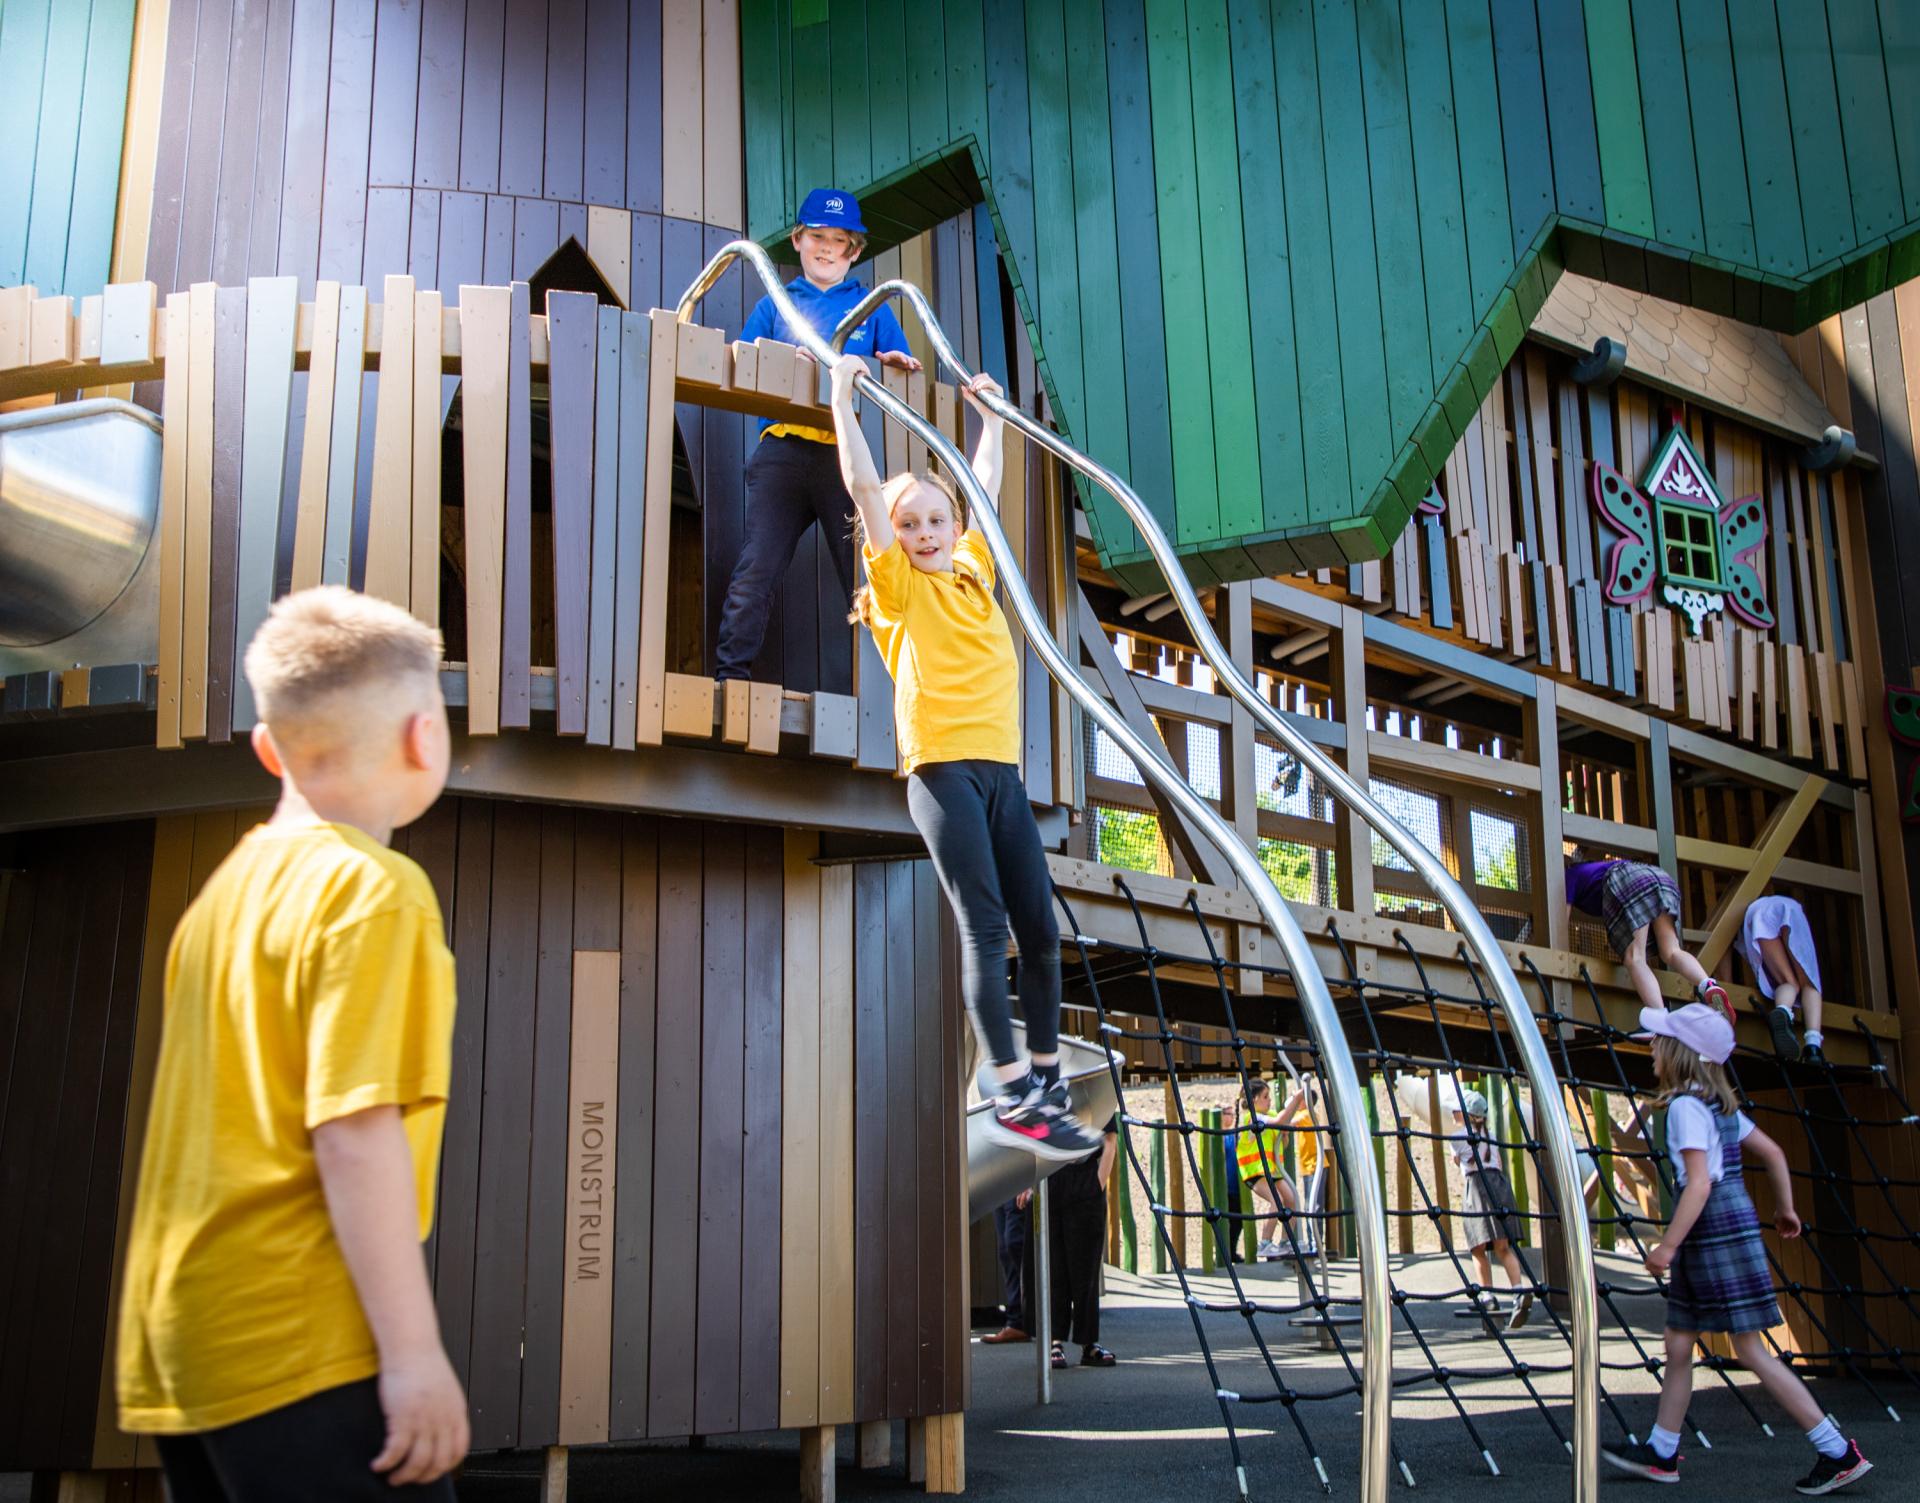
1815 1038
1825 1438
1664 1442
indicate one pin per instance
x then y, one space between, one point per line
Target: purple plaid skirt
1634 895
1720 1280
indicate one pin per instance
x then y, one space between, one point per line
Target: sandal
1096 1355
1059 1355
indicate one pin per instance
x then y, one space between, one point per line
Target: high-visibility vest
1251 1144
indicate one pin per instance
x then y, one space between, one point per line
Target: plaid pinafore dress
1720 1280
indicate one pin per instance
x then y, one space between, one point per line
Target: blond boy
277 1331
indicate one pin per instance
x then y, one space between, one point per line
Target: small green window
1689 544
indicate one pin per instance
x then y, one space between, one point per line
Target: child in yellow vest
1262 1165
929 603
277 1330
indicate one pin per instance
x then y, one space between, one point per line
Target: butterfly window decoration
1675 530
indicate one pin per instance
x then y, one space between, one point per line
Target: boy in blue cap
793 478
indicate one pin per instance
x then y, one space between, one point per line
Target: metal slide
1323 1023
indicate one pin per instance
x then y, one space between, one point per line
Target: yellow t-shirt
1306 1151
955 679
800 430
309 980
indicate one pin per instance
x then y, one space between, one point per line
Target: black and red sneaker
1040 1120
1643 1461
1831 1473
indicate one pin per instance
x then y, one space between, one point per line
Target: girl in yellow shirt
929 604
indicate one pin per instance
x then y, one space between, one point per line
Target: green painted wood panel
63 100
1273 255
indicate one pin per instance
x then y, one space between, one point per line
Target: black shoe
1831 1473
1095 1355
1811 1055
1786 1047
1523 1307
1041 1121
1643 1461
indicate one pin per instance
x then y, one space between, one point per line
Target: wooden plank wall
64 67
744 1265
71 931
654 1219
1323 221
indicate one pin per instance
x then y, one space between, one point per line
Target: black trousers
792 483
313 1451
1078 1229
1010 1234
986 849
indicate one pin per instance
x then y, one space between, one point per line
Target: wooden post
553 1476
946 1452
1176 1177
816 1464
874 1443
1353 841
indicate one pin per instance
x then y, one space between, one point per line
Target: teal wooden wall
63 105
1274 253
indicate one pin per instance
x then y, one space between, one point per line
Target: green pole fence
1373 1137
1516 1133
1157 1178
1609 1203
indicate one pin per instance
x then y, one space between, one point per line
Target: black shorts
313 1451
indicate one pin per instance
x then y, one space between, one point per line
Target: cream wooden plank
198 556
485 313
273 306
390 504
593 1109
763 719
774 362
702 354
1447 762
836 1146
127 314
1828 709
51 339
424 588
343 465
310 523
16 327
1853 715
682 120
663 359
743 366
689 710
610 245
800 1135
723 162
173 523
1799 734
87 326
735 711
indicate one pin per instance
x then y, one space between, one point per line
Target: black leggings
979 829
314 1450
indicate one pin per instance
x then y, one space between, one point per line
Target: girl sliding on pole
929 603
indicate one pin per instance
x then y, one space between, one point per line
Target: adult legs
1077 1230
1010 1231
949 804
779 509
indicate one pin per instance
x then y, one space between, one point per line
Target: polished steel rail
1323 1022
1550 1111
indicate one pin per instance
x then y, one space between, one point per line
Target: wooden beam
1353 835
1774 841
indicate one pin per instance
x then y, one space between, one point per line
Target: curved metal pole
1556 1131
1323 1022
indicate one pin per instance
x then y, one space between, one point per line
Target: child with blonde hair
929 604
277 1328
1712 1254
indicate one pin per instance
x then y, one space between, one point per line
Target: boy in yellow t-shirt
277 1331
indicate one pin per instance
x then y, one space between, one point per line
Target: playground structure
553 479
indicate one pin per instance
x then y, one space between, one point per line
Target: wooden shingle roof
1701 357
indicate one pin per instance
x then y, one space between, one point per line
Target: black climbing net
1846 1286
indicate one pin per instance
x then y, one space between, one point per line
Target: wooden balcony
568 584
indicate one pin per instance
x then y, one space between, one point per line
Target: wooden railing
237 461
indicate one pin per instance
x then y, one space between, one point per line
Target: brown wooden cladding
691 1016
73 906
726 1103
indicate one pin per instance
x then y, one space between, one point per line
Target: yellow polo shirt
956 682
309 980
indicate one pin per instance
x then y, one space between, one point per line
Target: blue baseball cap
831 209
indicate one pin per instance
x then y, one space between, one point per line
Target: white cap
1705 1030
